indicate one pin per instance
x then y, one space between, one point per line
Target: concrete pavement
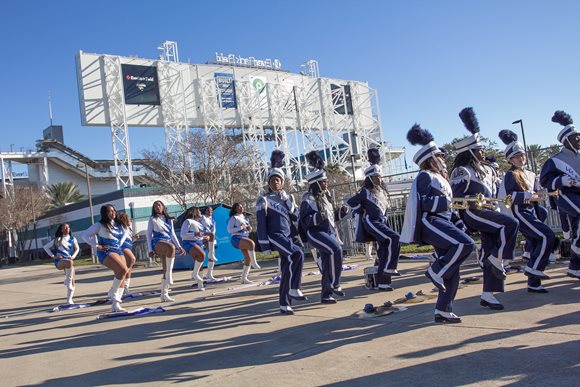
237 337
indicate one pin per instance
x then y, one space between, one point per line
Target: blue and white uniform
160 229
67 249
539 236
277 215
318 218
370 206
127 240
235 224
498 231
560 173
189 237
107 237
437 227
208 224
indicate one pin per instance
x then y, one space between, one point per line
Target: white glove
284 196
567 181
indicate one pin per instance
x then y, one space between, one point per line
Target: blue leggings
453 247
291 262
388 247
330 259
498 238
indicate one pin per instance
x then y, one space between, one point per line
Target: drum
371 277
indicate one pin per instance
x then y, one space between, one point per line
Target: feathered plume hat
566 121
277 162
468 118
419 136
317 163
374 157
513 145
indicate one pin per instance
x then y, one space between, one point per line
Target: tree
61 194
19 211
208 168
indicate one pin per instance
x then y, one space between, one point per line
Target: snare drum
371 277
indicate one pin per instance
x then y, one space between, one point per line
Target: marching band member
371 223
67 248
520 184
317 217
240 229
161 240
108 246
562 173
429 220
124 222
276 214
192 238
469 178
209 226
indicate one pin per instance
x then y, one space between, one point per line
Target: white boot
165 291
69 295
126 291
195 275
209 274
116 301
253 260
169 270
211 251
113 290
245 273
68 278
369 247
314 254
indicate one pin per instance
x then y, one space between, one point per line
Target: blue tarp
225 252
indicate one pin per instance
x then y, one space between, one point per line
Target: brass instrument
542 196
480 202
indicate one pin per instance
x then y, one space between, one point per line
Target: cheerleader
277 214
161 240
209 227
471 177
371 224
193 237
240 229
520 184
562 173
108 235
317 217
430 220
127 247
67 248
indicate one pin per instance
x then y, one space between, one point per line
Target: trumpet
542 196
480 202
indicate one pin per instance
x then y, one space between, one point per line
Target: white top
189 230
208 223
235 225
64 246
159 229
99 234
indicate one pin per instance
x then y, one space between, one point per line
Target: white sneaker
552 257
246 280
573 273
296 294
286 310
526 255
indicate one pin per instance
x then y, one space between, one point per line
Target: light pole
524 139
90 203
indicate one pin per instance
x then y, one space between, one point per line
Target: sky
508 59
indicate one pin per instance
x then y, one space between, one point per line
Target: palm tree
61 194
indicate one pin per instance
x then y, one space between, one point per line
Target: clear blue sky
427 59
